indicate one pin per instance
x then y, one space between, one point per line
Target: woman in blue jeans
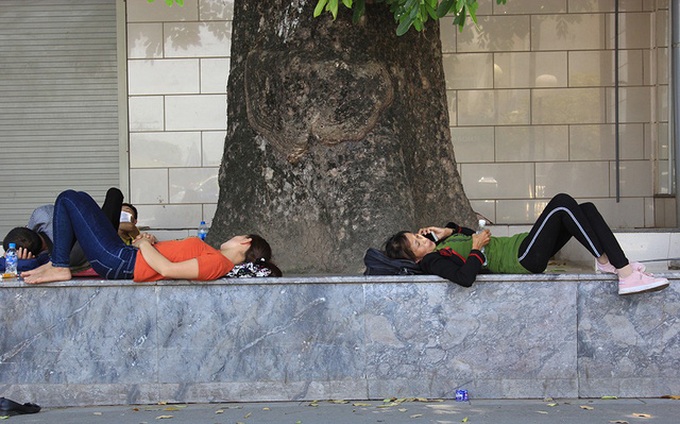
78 217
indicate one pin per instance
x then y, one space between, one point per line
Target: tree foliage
409 13
170 2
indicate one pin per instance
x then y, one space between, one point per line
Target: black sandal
9 407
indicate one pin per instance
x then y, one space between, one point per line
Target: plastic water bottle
480 228
202 230
11 261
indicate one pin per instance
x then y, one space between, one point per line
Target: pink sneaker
640 282
609 268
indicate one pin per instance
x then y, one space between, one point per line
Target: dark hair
260 252
24 237
398 247
134 209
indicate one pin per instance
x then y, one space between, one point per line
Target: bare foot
37 270
46 274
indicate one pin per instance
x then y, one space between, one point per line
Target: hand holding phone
432 236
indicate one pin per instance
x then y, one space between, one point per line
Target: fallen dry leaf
96 413
464 420
339 401
542 412
553 404
416 415
619 422
586 407
674 397
361 404
638 415
164 417
248 415
219 411
266 408
402 409
610 397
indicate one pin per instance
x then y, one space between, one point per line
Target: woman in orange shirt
78 217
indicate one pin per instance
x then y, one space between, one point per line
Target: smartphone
431 236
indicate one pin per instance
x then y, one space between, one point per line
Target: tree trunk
338 135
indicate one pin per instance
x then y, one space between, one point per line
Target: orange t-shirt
211 263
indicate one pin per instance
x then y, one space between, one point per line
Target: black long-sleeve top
448 264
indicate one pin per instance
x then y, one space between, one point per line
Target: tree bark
338 135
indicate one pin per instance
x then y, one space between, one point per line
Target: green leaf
404 25
413 13
410 6
359 9
319 8
333 8
444 8
347 3
431 11
460 20
472 10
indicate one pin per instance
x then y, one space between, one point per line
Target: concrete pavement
560 411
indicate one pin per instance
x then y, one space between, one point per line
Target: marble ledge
333 279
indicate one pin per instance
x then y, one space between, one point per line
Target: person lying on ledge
461 253
78 217
34 241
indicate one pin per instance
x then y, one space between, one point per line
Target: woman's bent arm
172 270
454 268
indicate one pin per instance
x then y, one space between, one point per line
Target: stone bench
91 342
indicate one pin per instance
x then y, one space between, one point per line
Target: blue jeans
78 217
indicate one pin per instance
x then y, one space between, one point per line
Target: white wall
531 98
178 64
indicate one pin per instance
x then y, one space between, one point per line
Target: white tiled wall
178 64
530 96
532 106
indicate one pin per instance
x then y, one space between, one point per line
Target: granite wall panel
91 342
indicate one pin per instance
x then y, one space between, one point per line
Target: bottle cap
12 246
202 222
